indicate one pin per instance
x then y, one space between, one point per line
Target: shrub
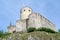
46 30
1 33
31 29
6 33
58 30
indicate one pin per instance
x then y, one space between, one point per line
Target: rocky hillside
32 36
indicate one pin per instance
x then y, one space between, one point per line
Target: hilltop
37 35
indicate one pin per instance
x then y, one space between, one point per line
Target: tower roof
11 25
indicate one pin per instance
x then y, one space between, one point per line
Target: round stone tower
24 13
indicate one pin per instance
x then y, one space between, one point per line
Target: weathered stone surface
11 28
25 12
21 26
34 20
32 36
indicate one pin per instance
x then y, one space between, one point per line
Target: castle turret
24 13
11 28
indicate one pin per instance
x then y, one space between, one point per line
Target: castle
28 18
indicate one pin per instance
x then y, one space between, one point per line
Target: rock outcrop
32 36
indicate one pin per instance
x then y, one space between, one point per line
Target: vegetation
58 30
36 35
31 29
46 30
2 34
6 33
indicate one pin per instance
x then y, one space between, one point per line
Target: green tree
59 30
6 33
1 33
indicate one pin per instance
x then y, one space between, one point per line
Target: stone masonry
28 18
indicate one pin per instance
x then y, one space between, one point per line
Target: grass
36 34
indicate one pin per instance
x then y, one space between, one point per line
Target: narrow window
24 10
29 10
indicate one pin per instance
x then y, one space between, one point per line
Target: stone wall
11 29
46 23
25 11
21 26
30 19
36 20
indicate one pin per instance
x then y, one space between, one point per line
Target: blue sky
10 11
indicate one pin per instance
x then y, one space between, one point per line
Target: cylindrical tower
24 12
